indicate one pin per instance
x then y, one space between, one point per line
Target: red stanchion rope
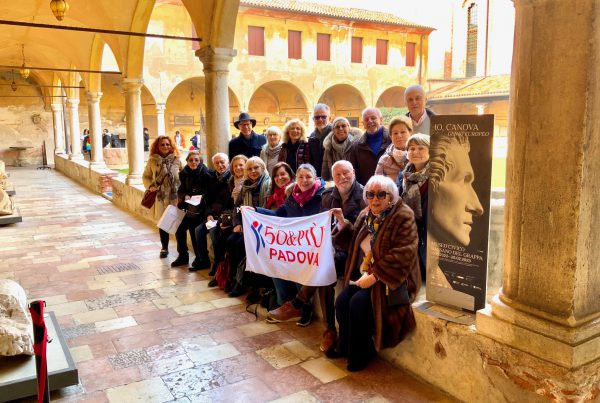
39 349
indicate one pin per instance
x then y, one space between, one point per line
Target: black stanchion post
40 340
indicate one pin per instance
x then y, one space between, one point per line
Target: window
471 70
410 53
382 51
294 44
356 50
324 47
256 41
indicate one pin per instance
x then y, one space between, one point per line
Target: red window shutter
410 53
324 47
256 41
356 50
382 51
294 44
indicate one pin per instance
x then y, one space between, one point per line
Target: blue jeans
286 290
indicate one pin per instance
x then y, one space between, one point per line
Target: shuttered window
324 47
382 52
294 44
410 53
256 41
357 45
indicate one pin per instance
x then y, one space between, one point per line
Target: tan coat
395 261
158 167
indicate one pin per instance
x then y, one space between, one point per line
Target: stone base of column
476 368
133 179
76 156
97 164
566 346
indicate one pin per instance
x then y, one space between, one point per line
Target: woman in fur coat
382 262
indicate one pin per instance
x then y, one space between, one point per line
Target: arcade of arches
538 339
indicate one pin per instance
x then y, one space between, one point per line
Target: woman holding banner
382 276
162 173
282 175
305 200
254 193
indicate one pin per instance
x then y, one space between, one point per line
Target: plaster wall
17 125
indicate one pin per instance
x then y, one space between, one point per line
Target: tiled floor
141 331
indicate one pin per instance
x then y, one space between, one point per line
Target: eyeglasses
343 126
322 117
380 195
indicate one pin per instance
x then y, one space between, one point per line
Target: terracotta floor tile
156 333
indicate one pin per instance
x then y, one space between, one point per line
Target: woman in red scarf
282 175
305 200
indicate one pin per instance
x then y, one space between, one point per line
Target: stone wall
475 368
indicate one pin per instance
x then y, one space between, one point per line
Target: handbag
226 219
397 297
222 274
149 197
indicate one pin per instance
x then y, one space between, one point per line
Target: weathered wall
475 368
17 126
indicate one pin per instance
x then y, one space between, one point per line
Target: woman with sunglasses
162 173
335 146
382 263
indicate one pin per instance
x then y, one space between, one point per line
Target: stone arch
392 97
344 100
276 102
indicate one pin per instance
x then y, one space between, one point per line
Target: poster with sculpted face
459 209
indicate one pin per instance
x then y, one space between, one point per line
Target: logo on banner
256 227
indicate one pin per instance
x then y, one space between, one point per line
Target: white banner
297 249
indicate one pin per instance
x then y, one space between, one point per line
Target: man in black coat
368 148
321 117
217 200
248 143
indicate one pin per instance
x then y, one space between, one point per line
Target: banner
297 249
458 218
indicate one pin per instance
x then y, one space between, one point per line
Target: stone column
216 62
93 99
73 105
549 305
59 133
135 129
160 119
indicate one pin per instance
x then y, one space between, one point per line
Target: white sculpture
16 332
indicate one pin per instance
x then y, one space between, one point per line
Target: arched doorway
276 102
344 100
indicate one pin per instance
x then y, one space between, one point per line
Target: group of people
378 201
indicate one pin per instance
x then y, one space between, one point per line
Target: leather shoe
180 261
237 291
201 264
213 283
329 340
164 253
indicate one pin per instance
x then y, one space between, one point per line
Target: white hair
372 109
325 107
415 87
219 155
339 163
385 183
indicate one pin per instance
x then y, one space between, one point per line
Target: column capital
56 107
132 84
72 102
160 108
93 96
216 59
